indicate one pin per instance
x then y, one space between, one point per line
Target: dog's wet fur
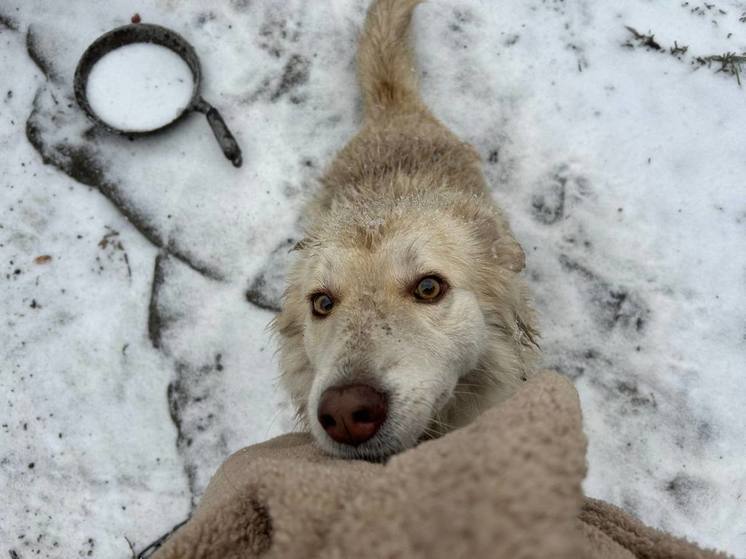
403 201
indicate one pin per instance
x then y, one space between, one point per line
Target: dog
404 314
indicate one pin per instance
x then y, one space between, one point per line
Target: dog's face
400 311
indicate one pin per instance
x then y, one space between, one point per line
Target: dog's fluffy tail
385 63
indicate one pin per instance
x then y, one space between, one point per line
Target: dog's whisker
465 393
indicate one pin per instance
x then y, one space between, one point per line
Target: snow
137 356
139 87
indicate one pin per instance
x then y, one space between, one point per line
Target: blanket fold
506 486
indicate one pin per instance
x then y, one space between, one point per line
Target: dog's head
398 321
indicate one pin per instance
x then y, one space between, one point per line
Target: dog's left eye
321 304
430 289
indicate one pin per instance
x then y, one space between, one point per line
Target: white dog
404 315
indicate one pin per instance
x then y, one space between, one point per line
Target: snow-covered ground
139 276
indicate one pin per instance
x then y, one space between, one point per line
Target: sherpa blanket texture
506 486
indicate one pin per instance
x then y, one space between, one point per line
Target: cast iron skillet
149 33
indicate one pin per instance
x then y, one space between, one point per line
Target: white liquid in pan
139 87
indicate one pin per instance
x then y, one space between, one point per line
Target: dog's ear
300 245
506 251
509 254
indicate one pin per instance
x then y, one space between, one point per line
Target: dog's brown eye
321 304
429 289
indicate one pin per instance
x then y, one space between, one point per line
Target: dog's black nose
352 414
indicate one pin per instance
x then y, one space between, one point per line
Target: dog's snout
352 414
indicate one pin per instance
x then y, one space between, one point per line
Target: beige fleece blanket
507 486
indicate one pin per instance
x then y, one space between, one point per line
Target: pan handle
224 137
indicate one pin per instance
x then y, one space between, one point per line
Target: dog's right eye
321 304
430 289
